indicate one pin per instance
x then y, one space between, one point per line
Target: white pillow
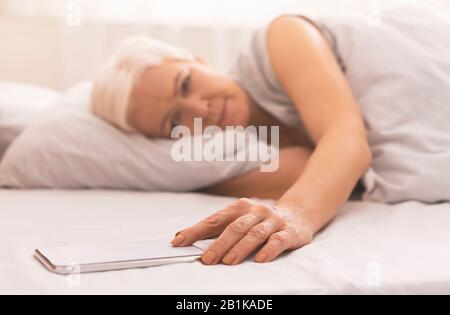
20 104
77 96
76 150
400 73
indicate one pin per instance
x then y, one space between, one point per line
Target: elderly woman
291 76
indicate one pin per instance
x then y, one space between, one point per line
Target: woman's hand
245 227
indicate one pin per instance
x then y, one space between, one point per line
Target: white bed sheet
368 248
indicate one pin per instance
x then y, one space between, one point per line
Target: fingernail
261 258
209 258
229 259
178 240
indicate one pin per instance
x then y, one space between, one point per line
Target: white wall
45 51
29 51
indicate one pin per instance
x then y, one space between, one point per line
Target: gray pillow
400 74
73 149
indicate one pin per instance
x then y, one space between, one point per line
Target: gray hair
110 97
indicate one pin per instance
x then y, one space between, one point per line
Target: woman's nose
198 108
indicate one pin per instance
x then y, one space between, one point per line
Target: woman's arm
305 65
292 162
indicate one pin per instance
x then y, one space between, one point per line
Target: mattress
368 248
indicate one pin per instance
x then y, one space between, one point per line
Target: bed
368 248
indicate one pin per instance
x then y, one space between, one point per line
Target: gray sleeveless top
398 70
359 46
254 73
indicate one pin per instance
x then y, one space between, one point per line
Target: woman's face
176 92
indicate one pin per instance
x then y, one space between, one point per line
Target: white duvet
368 248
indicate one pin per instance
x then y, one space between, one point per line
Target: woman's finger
255 238
213 225
210 227
278 243
231 235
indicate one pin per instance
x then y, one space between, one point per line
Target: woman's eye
185 87
175 122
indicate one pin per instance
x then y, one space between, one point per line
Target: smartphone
67 260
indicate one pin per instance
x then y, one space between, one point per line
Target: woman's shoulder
252 67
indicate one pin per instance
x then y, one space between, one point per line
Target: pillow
400 74
20 104
73 149
77 96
